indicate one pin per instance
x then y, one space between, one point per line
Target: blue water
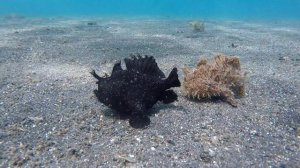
234 9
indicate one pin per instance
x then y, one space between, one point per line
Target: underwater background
234 9
50 116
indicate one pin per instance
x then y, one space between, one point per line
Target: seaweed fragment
221 77
131 92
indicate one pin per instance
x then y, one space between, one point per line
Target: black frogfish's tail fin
172 80
139 121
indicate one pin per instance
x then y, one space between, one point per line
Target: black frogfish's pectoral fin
139 120
138 117
168 96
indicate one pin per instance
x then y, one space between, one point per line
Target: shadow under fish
133 91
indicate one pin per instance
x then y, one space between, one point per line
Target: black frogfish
133 91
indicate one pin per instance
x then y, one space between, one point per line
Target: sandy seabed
50 117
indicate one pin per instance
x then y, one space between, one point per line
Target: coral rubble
221 77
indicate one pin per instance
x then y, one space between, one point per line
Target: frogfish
220 77
131 92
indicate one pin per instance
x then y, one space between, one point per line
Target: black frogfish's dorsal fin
145 65
117 67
